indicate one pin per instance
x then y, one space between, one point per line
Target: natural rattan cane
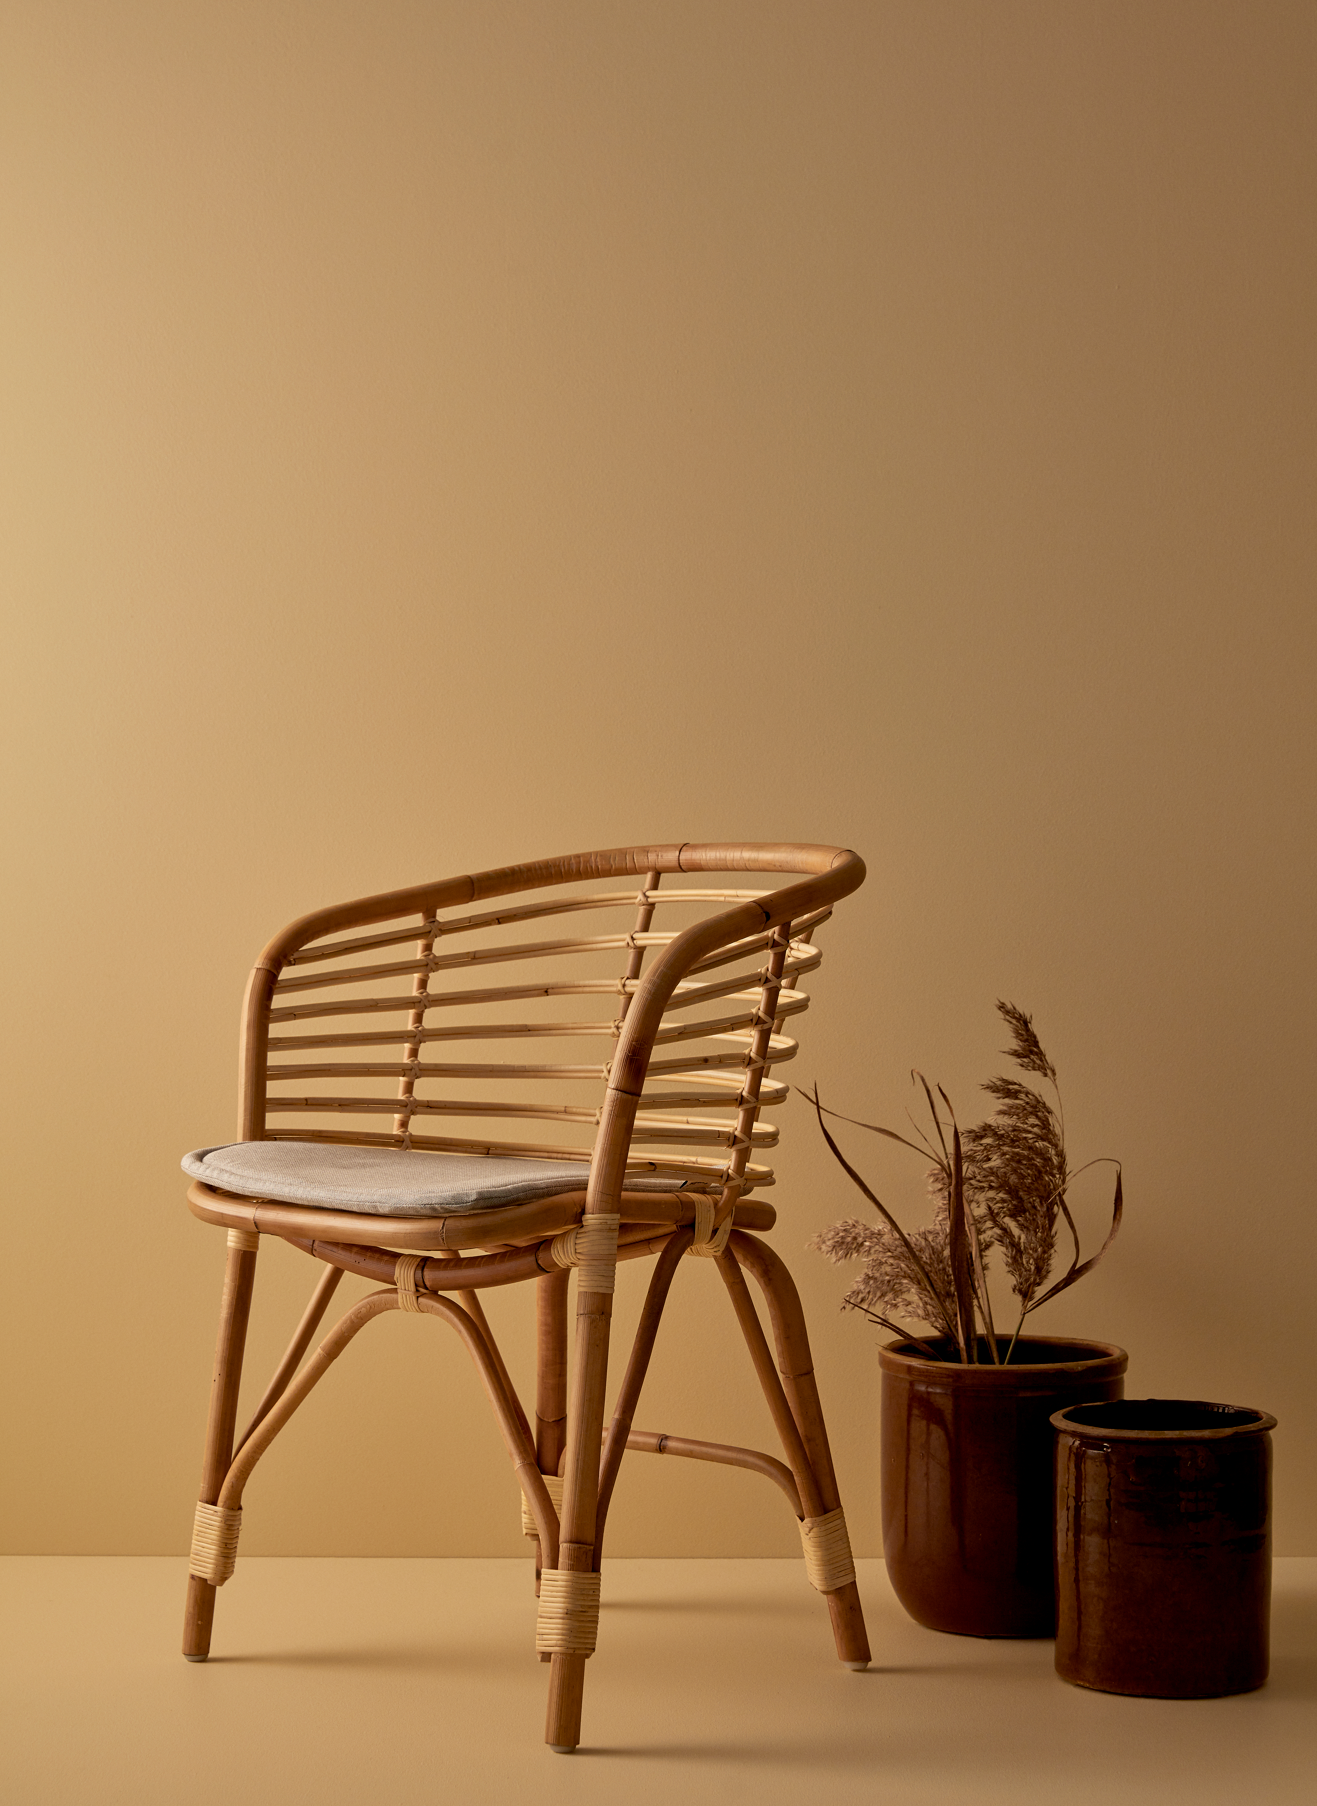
553 1486
379 1023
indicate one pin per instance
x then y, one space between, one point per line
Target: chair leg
796 1366
562 1730
770 1381
585 1422
235 1308
550 1381
628 1397
551 1370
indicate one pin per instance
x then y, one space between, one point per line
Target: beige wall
439 434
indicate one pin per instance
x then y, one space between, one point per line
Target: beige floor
409 1681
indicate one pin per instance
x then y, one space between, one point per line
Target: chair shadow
816 1757
712 1607
379 1661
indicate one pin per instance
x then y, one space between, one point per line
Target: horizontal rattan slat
685 996
772 1092
502 918
696 1167
472 956
782 1047
717 1068
805 957
692 1131
688 994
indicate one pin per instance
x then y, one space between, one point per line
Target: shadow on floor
1293 1647
454 1660
765 1608
818 1757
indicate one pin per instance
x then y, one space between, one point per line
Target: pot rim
892 1358
1083 1432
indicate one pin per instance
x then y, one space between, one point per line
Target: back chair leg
551 1370
833 1574
628 1397
550 1382
770 1382
235 1308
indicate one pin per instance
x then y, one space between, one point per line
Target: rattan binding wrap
404 1277
214 1543
708 1241
245 1241
591 1247
827 1550
553 1486
568 1619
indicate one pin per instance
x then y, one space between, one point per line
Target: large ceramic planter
967 1480
1163 1547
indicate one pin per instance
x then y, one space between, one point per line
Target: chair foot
855 1667
562 1730
563 1749
198 1619
195 1658
848 1626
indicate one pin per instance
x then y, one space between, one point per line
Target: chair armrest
843 874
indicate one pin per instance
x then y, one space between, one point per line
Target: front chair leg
235 1308
569 1595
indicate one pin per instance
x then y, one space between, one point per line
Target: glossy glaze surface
967 1493
1163 1547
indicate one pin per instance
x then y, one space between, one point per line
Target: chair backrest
354 1014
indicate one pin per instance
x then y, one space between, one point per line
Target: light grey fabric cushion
389 1181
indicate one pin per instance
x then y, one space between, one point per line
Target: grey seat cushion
390 1181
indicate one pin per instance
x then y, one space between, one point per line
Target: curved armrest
843 873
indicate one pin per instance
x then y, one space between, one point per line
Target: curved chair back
644 1038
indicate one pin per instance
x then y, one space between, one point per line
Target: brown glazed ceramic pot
967 1479
1163 1547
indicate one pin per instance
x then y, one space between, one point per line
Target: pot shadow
999 1671
1293 1647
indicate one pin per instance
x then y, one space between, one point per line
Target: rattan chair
338 1022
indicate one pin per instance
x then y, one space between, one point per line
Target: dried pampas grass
999 1185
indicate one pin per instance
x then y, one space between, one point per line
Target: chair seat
414 1182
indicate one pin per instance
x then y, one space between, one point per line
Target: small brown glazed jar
967 1479
1163 1547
